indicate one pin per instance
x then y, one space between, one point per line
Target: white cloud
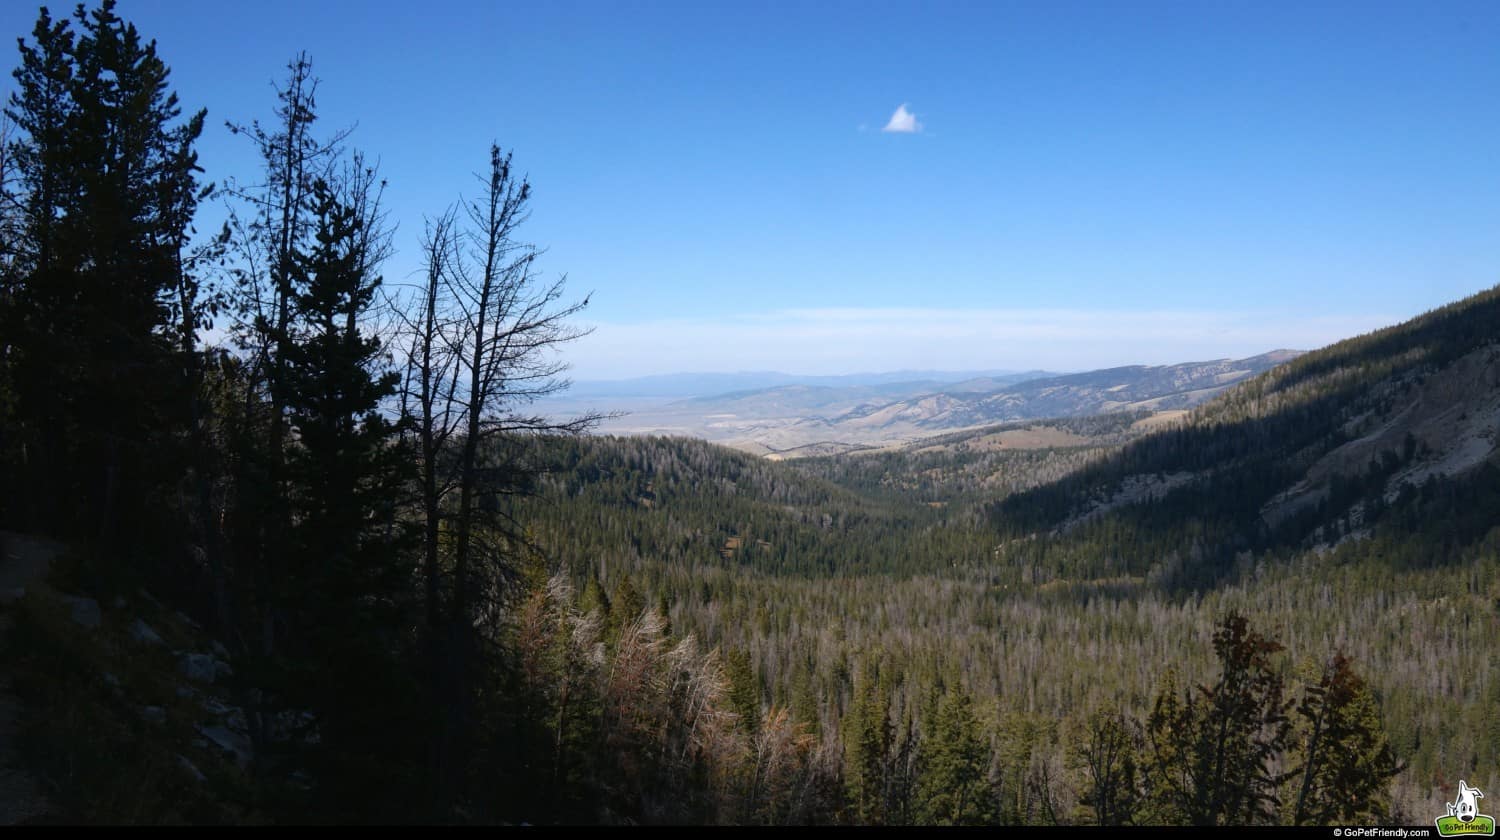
850 340
902 122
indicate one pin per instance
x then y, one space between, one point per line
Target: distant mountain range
1096 392
684 385
806 415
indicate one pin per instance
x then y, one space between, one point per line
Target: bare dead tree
480 350
511 325
429 394
11 209
11 242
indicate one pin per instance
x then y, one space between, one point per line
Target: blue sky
1092 183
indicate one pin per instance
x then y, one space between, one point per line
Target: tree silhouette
98 300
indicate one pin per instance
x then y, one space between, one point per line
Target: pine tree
867 735
345 590
956 761
108 179
1168 782
744 689
1243 729
626 606
1215 750
1346 760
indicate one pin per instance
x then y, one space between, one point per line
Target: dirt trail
23 564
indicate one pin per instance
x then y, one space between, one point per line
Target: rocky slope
1397 427
116 712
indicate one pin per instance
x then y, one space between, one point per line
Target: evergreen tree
955 766
744 689
626 606
1346 761
345 591
1245 726
1216 749
107 176
594 598
868 735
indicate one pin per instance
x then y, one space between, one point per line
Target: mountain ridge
690 384
808 418
1387 427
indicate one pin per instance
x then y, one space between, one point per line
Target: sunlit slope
1392 432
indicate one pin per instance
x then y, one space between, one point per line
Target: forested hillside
1390 435
1048 659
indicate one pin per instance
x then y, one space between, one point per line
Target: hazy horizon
850 342
916 373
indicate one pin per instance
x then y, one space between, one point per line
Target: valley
1348 499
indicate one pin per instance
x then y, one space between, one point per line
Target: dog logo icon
1463 818
1466 805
